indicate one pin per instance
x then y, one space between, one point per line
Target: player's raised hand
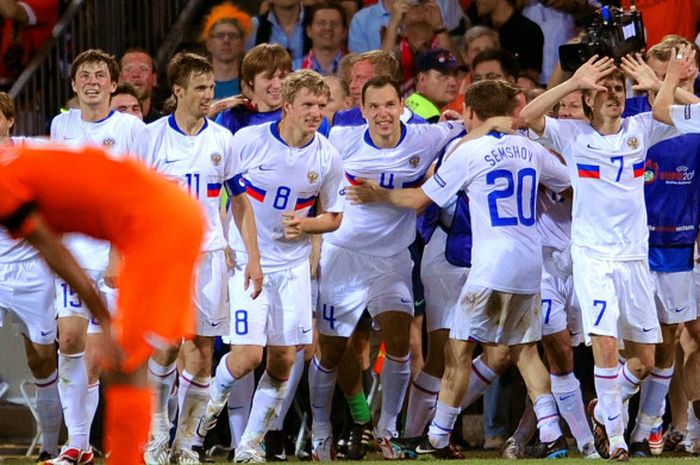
365 191
681 64
400 8
592 71
636 68
253 272
292 226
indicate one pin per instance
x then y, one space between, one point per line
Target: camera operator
557 19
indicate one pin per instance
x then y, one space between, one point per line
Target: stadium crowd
407 192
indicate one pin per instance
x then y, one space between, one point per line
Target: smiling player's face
267 90
306 111
382 109
93 84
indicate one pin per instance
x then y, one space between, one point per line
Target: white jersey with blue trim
278 179
607 174
200 163
15 250
500 174
116 134
379 229
686 118
554 219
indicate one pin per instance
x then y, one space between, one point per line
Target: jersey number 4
524 193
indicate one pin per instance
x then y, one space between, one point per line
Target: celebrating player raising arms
685 118
605 158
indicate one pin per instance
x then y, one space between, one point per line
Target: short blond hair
304 79
662 50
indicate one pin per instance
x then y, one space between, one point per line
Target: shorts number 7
547 305
602 304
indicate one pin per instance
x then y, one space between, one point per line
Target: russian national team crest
633 143
312 177
216 158
414 160
108 142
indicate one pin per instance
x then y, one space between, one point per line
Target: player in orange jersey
157 229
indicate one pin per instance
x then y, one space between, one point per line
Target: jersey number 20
511 188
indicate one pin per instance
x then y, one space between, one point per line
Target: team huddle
268 227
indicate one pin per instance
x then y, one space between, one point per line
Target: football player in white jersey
94 75
27 291
687 119
561 316
366 263
199 154
500 300
609 232
443 280
285 167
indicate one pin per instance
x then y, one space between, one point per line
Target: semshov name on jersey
499 154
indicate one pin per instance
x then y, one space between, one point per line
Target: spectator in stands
345 67
436 84
327 29
517 34
525 82
125 99
495 64
224 33
557 21
137 69
27 25
476 39
366 66
369 24
412 30
283 24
